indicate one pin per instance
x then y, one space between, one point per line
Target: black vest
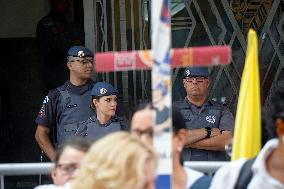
75 108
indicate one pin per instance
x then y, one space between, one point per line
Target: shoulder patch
41 113
46 100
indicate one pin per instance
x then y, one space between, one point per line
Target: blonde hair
115 162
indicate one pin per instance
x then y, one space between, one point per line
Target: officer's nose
194 81
114 103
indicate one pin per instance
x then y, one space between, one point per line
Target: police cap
196 72
103 89
80 51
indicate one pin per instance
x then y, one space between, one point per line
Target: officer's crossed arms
210 123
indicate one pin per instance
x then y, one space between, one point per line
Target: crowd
82 129
83 113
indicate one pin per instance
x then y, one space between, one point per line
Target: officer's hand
215 132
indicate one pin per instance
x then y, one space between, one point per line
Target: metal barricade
16 169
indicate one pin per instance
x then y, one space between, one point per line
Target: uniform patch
46 100
41 113
187 73
211 119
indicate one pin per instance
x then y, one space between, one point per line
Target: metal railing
16 169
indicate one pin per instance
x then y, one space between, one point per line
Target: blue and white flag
161 89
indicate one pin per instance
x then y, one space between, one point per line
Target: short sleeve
227 121
49 110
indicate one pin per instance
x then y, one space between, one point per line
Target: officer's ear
94 101
184 82
209 82
69 65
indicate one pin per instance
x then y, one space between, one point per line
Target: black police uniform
94 130
64 107
212 114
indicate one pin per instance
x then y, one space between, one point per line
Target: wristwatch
208 130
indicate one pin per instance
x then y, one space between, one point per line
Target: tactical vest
209 116
75 108
93 130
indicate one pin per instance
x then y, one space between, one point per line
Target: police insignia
42 111
210 119
46 100
81 54
103 91
187 72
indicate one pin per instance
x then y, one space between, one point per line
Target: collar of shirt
78 89
261 176
188 104
112 119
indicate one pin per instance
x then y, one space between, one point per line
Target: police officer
68 104
104 120
210 123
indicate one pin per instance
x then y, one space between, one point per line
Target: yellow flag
247 133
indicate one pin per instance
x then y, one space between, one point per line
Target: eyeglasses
197 79
68 168
147 132
83 61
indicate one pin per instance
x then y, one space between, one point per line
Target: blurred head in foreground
118 161
68 158
142 123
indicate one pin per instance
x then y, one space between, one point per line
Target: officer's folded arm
195 135
215 143
43 140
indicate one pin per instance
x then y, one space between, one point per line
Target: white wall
18 18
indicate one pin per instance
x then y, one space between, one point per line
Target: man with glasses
210 123
67 160
68 104
141 124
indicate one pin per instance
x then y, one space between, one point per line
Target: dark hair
92 104
278 101
178 121
76 142
272 112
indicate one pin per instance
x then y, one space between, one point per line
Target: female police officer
104 120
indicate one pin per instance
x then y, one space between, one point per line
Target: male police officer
210 123
104 119
68 104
